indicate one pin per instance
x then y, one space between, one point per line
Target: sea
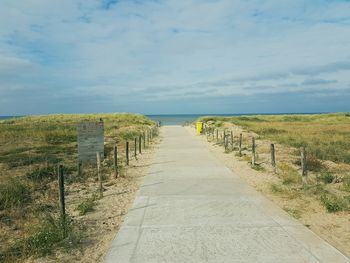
8 117
180 119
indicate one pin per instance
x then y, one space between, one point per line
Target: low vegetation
30 150
87 205
326 138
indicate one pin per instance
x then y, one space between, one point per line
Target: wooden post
140 144
303 162
144 140
80 166
273 157
127 152
240 144
217 135
61 198
100 187
115 160
253 151
135 148
225 142
232 140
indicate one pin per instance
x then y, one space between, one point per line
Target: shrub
13 193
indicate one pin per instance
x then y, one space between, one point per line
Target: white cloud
172 48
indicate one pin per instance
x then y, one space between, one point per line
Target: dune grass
30 150
326 136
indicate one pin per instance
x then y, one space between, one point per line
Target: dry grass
321 200
30 150
326 138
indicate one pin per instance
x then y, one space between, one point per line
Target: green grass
334 203
13 193
43 240
326 177
30 150
87 205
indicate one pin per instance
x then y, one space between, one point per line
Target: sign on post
90 140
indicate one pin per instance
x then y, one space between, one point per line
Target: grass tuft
87 205
333 203
288 174
326 178
13 193
44 239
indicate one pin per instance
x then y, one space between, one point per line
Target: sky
174 57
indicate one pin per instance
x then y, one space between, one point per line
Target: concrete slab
191 208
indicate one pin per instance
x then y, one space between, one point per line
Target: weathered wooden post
144 140
232 140
217 135
240 144
253 151
140 144
273 157
80 168
127 152
303 163
135 148
61 198
100 188
115 160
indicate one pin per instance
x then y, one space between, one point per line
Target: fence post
303 162
273 157
127 152
240 144
232 140
61 199
115 160
135 148
144 140
253 151
100 188
217 135
80 166
140 144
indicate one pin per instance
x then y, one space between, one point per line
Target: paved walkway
191 208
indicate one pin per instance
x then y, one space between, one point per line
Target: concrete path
191 208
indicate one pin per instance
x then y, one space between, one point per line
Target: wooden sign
90 140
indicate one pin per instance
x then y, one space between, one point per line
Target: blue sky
176 56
